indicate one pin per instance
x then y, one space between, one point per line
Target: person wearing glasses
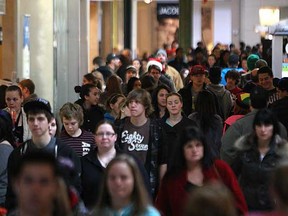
96 161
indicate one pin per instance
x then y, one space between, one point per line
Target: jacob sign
167 11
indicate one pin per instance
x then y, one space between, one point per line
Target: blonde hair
72 110
139 195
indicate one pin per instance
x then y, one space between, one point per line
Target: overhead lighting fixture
147 1
269 16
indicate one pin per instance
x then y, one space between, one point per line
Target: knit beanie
251 60
161 51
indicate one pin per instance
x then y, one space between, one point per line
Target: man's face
265 81
36 188
38 124
231 83
116 62
155 74
71 126
136 108
282 93
161 57
198 79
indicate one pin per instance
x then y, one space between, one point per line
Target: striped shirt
81 144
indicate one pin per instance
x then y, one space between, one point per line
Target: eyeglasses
108 134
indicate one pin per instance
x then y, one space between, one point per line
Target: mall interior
53 42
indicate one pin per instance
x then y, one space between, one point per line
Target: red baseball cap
198 69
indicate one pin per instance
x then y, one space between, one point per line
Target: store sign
167 11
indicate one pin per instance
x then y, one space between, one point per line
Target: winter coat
241 127
254 173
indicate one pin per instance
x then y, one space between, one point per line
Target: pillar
277 56
127 23
185 23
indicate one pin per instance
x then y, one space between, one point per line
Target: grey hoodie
224 99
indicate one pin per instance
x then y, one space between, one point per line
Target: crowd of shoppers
151 136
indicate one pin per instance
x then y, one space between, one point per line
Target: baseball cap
243 100
38 103
111 56
283 84
198 69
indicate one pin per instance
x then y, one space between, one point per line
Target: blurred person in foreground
37 187
278 191
123 191
212 199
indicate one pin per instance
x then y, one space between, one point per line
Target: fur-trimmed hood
246 142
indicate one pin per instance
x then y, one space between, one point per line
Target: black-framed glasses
107 134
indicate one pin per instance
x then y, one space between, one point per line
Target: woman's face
144 65
193 151
211 61
136 64
52 127
13 100
120 181
161 97
125 111
264 132
85 81
174 105
115 107
129 74
137 84
105 137
93 97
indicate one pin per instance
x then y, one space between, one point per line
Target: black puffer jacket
254 173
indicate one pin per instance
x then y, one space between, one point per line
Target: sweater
173 193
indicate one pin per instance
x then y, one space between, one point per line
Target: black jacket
186 94
254 173
61 150
92 175
280 108
155 155
91 117
171 137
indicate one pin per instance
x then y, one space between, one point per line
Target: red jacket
172 195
